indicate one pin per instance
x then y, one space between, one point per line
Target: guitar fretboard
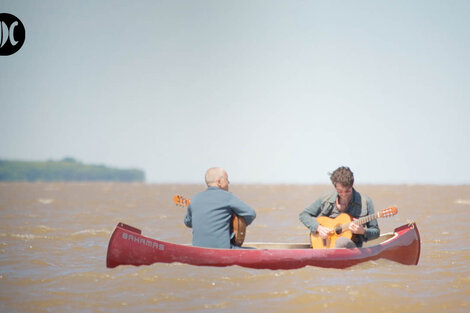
361 221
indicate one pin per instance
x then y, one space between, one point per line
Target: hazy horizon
275 92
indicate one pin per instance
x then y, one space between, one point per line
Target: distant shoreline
65 170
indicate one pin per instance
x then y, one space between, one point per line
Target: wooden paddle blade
388 212
239 229
181 201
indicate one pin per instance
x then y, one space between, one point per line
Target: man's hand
357 229
323 231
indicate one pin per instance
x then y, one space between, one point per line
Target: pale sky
273 91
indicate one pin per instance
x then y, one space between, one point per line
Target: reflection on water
54 236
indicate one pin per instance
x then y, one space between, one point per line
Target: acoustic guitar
237 223
340 227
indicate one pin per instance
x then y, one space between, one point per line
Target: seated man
345 199
210 212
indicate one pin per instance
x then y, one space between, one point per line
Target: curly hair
342 175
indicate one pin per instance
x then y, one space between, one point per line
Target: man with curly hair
344 199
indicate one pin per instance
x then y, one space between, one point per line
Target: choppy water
54 236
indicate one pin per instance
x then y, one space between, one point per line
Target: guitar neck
361 221
367 218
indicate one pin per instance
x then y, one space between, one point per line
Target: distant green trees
67 169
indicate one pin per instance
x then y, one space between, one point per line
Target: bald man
210 212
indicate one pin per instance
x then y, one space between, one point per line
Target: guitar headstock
181 201
388 212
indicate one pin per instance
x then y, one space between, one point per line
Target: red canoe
127 246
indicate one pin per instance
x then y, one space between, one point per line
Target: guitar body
340 227
332 223
238 226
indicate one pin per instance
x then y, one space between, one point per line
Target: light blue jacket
209 216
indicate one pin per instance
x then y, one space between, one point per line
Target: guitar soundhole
338 230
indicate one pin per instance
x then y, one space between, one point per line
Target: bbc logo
12 34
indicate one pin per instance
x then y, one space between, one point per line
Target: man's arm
372 230
188 220
309 215
242 209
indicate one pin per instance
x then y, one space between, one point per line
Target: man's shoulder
218 191
212 192
329 196
361 197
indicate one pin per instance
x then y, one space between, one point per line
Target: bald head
217 177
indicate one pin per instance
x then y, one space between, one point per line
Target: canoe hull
128 246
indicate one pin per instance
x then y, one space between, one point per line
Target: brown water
54 236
